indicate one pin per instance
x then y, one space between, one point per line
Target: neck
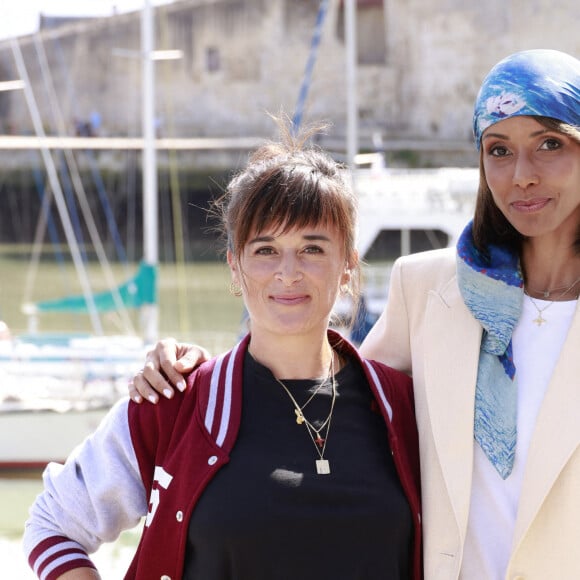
293 357
551 273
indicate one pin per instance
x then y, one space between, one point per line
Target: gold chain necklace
319 442
546 293
539 320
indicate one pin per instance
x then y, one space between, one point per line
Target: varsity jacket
154 461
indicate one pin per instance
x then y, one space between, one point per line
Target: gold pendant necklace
539 320
319 442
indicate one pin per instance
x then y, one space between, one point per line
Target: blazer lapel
452 344
557 432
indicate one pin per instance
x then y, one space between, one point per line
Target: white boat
403 201
440 199
53 416
54 390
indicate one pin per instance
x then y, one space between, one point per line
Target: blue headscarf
544 83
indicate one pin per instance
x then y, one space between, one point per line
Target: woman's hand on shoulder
165 367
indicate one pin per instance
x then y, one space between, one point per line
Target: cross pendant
540 320
319 441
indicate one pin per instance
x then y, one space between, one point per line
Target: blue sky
19 17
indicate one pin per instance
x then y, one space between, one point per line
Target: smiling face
290 279
534 177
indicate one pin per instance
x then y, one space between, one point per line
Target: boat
400 199
55 389
52 400
437 202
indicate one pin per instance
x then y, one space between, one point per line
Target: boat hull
31 438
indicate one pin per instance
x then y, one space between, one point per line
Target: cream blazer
426 330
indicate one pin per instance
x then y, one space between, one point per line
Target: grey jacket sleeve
90 499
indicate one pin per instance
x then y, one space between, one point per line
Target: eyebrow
307 237
507 138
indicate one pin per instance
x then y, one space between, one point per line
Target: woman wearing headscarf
490 333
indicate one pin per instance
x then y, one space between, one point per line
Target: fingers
164 358
189 356
164 370
133 392
149 386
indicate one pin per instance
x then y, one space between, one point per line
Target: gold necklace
546 293
539 320
319 442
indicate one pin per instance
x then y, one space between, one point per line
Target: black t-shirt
268 515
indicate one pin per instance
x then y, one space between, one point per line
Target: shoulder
221 370
431 261
155 427
375 370
416 274
220 367
391 379
395 393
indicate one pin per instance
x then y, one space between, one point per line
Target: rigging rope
55 185
307 79
176 210
72 179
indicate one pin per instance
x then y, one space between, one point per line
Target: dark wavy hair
490 226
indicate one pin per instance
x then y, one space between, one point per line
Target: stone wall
421 62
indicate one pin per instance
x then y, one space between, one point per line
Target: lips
290 300
531 205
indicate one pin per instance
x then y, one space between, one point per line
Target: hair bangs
290 200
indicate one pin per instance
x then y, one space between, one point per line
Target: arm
89 500
165 368
389 339
81 574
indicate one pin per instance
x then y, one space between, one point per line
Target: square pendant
322 467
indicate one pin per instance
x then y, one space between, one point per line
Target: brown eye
498 151
551 144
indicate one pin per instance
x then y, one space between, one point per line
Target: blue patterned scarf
537 82
492 288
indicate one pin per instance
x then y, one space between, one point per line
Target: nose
525 173
289 270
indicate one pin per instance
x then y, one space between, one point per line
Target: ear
350 265
233 266
346 276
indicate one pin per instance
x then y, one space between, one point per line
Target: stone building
420 63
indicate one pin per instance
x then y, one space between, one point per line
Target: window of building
370 31
212 59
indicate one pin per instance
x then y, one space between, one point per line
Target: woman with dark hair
490 333
289 456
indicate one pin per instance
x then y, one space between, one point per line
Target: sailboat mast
350 15
149 313
56 188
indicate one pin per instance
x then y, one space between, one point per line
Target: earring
235 289
345 289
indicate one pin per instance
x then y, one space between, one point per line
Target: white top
494 502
